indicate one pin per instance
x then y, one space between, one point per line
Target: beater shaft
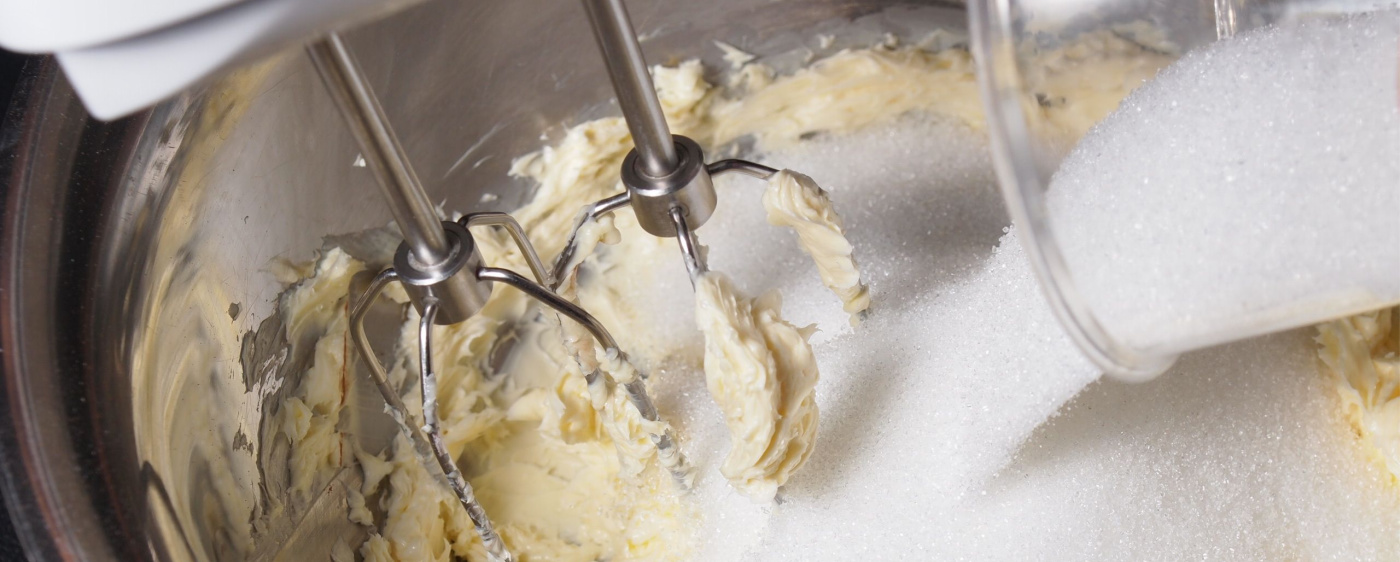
431 261
636 94
383 154
430 264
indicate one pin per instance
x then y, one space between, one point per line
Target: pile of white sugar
1252 184
958 362
1237 453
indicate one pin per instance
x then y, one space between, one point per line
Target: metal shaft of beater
383 154
455 296
636 94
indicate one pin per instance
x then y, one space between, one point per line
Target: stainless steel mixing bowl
137 256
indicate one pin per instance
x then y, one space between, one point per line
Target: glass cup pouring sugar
1252 186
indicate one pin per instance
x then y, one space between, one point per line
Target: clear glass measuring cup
1132 333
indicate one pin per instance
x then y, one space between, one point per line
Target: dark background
10 65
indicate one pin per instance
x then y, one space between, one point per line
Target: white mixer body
122 59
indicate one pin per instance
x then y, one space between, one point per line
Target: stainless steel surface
317 535
631 80
687 187
362 345
414 213
144 362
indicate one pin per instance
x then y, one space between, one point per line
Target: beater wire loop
427 432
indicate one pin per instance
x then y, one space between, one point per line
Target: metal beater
443 273
669 186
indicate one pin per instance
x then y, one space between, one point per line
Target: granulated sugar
1252 186
1237 453
958 363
